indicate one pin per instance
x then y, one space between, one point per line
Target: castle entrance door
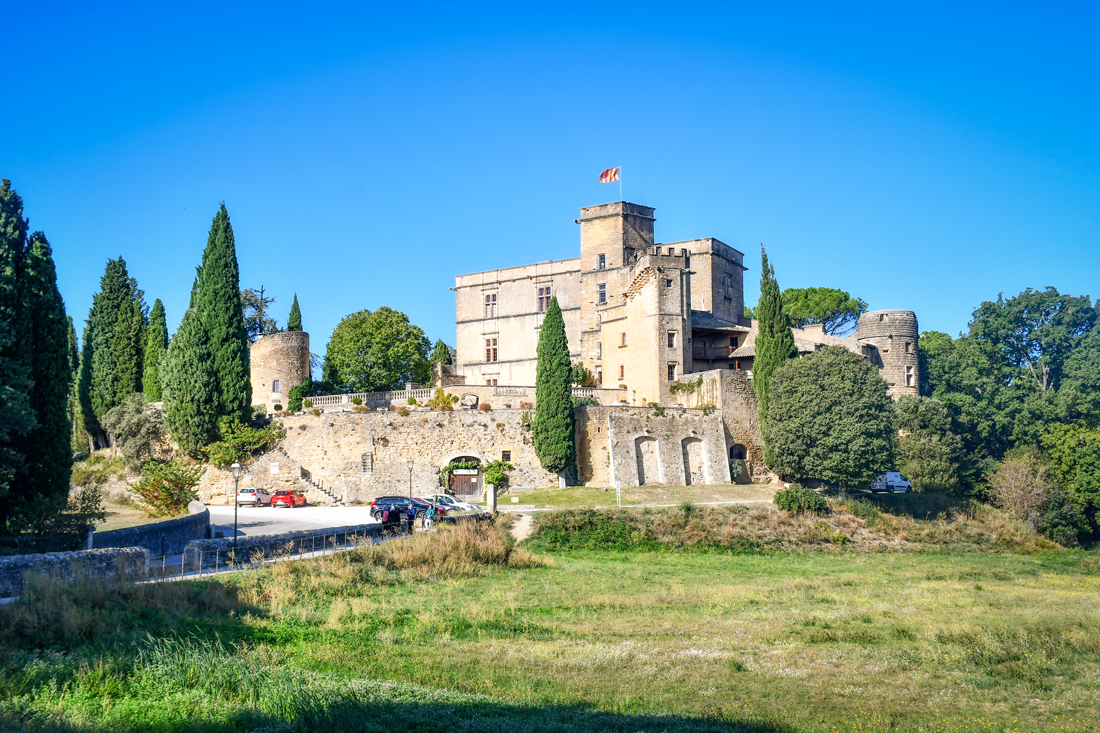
466 482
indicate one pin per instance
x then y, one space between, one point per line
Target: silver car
252 497
452 504
891 482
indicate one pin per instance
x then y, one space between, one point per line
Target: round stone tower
280 361
889 340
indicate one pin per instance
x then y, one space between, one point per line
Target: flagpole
620 182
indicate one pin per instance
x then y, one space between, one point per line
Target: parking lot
265 520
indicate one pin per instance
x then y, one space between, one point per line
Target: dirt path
523 527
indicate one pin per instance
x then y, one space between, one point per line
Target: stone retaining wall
161 538
128 563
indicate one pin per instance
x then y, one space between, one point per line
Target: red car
288 499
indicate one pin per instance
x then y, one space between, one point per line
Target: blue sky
923 157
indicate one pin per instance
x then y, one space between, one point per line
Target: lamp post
410 478
237 469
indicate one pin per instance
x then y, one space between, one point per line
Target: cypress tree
188 383
156 345
48 452
441 353
553 425
117 291
73 354
16 415
774 340
218 306
88 422
127 347
294 323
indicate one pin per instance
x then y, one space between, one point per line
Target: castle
656 324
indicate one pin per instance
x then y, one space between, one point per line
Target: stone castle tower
279 362
889 340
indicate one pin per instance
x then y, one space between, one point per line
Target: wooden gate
466 485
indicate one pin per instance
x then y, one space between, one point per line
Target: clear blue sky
919 156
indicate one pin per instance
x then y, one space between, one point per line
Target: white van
891 482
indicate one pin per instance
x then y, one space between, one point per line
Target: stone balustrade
467 393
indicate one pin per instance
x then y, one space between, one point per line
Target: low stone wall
272 544
129 563
161 538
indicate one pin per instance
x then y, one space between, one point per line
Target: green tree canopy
930 455
1074 454
835 309
830 418
441 353
553 425
102 342
156 346
128 346
774 341
218 306
257 321
376 352
294 322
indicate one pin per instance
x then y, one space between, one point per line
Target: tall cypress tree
48 450
117 291
441 354
156 345
73 353
189 391
127 346
774 340
553 426
16 415
294 323
218 305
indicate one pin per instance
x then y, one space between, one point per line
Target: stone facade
889 340
278 363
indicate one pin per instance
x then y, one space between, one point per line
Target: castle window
672 371
622 339
909 376
491 305
599 349
908 347
671 251
622 372
544 299
490 349
668 283
491 382
275 385
506 456
601 293
599 376
602 264
671 339
366 463
733 342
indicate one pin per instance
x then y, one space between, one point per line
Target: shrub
1020 487
413 402
297 394
307 404
442 401
737 467
800 500
526 405
316 412
403 411
277 407
259 411
1063 521
138 430
658 410
484 407
239 442
495 474
356 401
166 488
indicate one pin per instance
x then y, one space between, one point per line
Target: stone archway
466 482
739 465
694 462
645 454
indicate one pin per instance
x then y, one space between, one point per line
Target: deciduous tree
830 418
834 309
375 352
931 456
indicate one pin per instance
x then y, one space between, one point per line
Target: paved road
265 520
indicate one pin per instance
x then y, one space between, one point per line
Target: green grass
586 497
592 640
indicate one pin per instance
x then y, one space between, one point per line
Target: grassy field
458 631
578 497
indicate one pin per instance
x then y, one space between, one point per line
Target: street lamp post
410 478
237 469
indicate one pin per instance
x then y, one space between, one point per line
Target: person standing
411 516
429 515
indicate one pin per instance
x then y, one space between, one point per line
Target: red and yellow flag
609 175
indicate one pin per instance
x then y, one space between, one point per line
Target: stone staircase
305 478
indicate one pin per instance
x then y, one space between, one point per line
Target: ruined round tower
889 340
279 362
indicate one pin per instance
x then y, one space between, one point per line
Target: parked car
253 497
453 504
289 499
891 482
401 502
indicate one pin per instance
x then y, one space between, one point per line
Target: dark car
401 502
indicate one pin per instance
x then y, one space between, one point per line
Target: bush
138 430
412 402
307 404
442 401
800 500
317 412
356 401
239 442
1020 487
494 473
259 411
737 467
297 395
484 407
166 488
277 407
1063 521
403 411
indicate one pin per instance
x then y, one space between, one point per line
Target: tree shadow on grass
918 506
408 717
